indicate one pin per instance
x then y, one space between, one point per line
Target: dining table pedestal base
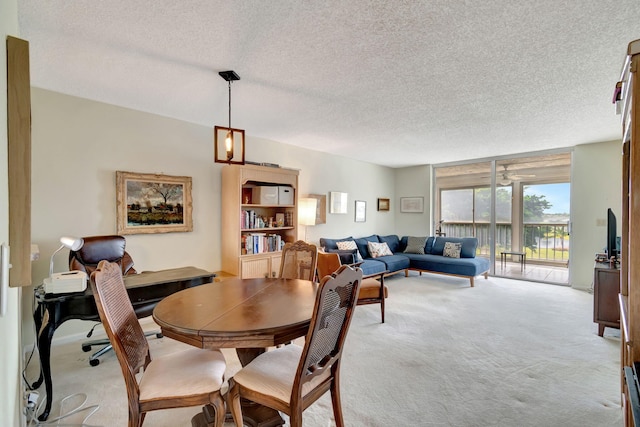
253 415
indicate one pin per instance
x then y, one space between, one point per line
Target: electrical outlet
32 399
30 402
600 222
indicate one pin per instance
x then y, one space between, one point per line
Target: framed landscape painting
150 203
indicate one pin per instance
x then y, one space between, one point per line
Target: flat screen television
612 247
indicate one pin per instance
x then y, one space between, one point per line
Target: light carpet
504 353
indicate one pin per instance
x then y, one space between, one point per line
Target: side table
606 287
522 255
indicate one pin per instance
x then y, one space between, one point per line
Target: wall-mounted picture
338 202
321 208
361 211
383 204
150 203
412 204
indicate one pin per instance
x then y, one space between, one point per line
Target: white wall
596 185
10 346
413 182
321 173
78 145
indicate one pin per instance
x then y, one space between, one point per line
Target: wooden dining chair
188 378
298 261
372 290
290 378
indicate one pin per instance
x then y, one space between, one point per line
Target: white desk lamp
73 243
68 281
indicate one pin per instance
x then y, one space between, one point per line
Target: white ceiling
395 82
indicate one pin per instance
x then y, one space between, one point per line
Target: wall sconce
232 151
73 243
307 213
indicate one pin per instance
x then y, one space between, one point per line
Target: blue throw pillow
429 246
392 241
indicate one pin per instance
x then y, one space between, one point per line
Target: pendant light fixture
232 150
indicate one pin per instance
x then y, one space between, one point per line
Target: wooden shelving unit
238 258
627 98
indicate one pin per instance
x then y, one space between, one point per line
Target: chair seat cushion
272 373
370 288
190 372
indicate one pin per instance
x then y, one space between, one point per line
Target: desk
522 255
145 291
245 314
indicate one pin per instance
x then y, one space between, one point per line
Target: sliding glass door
518 208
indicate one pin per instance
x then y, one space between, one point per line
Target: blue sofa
431 261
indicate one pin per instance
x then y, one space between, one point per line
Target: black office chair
112 249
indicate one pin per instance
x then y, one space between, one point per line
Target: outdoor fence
542 242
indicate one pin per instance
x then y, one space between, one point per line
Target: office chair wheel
86 348
94 362
159 335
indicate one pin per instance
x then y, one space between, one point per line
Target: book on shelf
257 243
249 220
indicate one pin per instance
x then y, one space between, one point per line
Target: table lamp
73 243
307 213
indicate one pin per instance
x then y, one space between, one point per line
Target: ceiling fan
506 177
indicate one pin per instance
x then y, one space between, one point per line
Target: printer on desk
66 282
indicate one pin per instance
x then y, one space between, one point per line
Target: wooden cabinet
627 97
259 215
606 287
260 265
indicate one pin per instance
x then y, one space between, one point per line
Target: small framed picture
338 202
361 211
383 204
412 204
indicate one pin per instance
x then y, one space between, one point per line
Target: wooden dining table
248 315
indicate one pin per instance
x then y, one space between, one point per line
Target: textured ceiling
395 83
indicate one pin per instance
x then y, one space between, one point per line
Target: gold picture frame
152 203
383 204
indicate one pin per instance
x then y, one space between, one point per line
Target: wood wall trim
19 159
